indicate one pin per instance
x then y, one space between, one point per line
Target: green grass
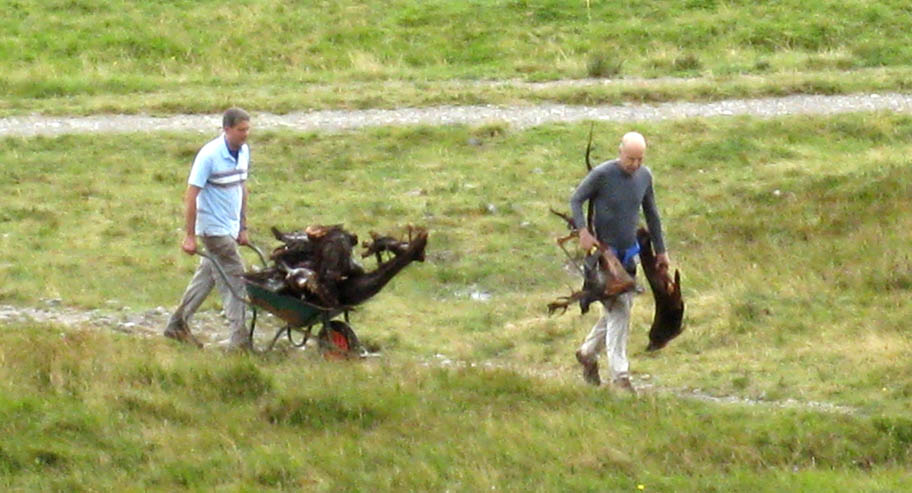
790 234
89 411
285 97
91 56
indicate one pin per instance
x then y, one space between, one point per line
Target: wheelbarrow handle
258 252
221 272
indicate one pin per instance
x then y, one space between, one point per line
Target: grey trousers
225 250
610 333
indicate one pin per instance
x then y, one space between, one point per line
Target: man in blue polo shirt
215 210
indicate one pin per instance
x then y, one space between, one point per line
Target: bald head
633 141
632 152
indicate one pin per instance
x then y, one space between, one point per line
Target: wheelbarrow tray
295 312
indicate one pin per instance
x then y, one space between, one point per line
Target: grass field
791 235
88 411
90 56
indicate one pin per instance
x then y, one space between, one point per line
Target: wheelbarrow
336 339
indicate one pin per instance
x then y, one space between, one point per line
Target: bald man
618 189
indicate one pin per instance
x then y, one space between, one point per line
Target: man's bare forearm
244 208
190 210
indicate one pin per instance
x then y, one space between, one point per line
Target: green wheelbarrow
336 339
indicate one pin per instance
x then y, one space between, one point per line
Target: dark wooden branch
668 320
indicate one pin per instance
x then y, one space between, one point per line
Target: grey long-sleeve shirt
617 198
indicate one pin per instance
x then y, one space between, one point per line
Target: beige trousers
610 333
225 250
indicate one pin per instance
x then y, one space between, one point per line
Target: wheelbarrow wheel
338 341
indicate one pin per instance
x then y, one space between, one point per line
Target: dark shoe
590 369
182 335
623 383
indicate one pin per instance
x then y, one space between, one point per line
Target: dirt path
516 116
209 327
140 323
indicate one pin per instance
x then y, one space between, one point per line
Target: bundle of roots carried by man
604 278
315 264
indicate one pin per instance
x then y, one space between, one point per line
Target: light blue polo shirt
221 179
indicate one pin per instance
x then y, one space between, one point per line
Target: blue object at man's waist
626 255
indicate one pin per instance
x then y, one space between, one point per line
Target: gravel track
516 116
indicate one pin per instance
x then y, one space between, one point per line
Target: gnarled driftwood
316 264
356 289
667 322
603 276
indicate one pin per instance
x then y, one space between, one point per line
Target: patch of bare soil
209 326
